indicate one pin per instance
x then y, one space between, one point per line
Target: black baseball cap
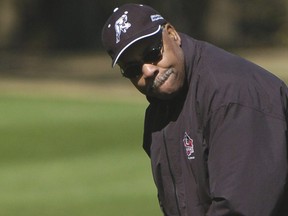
128 24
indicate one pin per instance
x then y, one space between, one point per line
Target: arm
247 161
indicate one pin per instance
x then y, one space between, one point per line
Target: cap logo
121 25
156 17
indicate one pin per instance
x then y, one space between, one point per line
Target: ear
172 33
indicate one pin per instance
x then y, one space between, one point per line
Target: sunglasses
134 69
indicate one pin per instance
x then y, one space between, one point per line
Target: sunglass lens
132 71
153 56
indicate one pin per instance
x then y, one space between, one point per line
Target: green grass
43 128
71 157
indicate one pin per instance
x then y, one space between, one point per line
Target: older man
216 125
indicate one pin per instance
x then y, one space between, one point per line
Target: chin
167 91
168 95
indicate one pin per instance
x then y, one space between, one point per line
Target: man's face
160 65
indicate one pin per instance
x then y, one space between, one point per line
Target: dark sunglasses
134 69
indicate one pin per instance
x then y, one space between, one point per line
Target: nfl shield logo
188 144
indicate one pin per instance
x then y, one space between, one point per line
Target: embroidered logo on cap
156 17
121 25
188 144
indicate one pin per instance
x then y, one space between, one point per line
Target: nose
149 70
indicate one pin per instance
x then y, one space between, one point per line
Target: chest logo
189 147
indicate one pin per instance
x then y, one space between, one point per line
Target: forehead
136 51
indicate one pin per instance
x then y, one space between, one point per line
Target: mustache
159 80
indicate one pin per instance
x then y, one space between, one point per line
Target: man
216 125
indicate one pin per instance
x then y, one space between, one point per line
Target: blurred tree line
76 24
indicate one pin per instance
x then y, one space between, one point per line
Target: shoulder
224 78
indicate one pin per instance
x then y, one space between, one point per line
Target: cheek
178 57
173 56
177 61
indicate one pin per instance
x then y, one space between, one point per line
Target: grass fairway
68 157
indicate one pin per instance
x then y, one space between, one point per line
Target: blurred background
76 25
71 126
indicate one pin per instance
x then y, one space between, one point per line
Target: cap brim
132 42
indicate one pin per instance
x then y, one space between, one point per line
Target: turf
71 157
